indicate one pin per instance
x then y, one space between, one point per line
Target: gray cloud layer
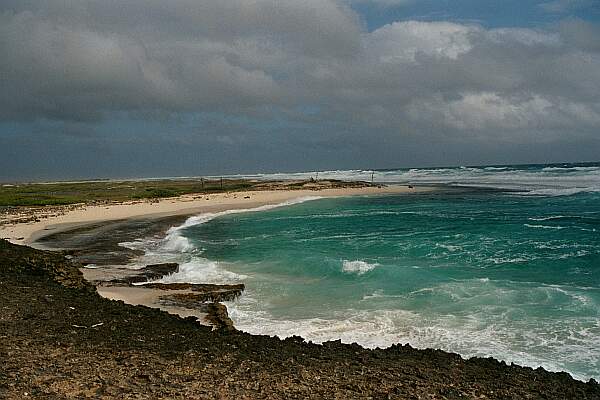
310 61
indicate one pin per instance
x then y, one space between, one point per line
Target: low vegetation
93 192
61 193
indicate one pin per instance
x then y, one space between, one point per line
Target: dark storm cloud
76 62
85 62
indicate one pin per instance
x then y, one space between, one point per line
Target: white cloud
404 41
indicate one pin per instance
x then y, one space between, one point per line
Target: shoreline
71 343
75 216
100 222
96 331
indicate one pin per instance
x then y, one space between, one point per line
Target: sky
150 88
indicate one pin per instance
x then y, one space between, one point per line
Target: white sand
150 298
27 233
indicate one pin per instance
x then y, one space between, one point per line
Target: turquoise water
513 275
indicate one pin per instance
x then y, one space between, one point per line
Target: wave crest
358 267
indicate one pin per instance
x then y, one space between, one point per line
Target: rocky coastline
60 339
205 298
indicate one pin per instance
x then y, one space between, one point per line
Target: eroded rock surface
203 293
59 339
128 276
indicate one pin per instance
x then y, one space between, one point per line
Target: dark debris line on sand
59 340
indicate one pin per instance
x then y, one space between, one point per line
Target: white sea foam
510 260
358 267
175 241
201 270
203 218
550 218
138 244
467 336
548 181
544 226
193 268
449 247
486 326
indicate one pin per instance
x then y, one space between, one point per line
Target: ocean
501 261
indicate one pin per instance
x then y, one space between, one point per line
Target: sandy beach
52 222
74 216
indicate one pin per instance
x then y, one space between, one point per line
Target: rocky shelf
205 298
59 339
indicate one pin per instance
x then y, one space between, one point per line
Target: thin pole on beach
372 173
202 183
221 183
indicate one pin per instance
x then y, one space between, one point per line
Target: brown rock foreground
60 340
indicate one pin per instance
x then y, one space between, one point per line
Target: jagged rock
216 313
161 269
218 316
149 272
224 292
58 342
153 271
193 300
53 265
170 286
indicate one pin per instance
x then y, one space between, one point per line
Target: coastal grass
63 193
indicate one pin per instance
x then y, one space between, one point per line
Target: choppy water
513 275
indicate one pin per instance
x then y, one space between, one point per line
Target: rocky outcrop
54 266
218 316
60 342
145 274
152 272
204 292
216 313
203 297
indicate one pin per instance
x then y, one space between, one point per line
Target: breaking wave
540 180
358 267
